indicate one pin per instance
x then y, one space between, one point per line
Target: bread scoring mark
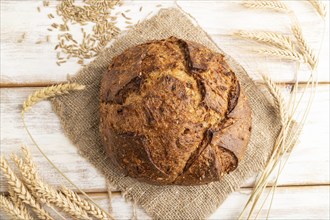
234 94
228 160
195 69
122 70
189 68
207 138
139 140
152 161
210 75
132 86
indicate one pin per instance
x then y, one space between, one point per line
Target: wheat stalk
28 168
85 205
50 92
273 5
283 143
280 53
282 146
270 38
320 7
279 100
42 94
21 191
12 210
45 192
304 47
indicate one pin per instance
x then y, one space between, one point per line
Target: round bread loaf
173 112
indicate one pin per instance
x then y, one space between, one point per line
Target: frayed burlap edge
79 116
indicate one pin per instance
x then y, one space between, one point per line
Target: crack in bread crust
233 96
169 110
207 137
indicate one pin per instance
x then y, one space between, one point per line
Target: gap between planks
116 192
244 187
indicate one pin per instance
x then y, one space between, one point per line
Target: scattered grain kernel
128 18
45 3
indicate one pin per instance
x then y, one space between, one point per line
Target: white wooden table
303 191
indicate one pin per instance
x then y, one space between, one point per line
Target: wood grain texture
224 17
305 203
304 191
28 62
37 62
311 152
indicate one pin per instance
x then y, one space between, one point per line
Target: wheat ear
28 175
18 203
280 53
50 92
12 210
85 205
320 7
50 195
29 169
279 100
266 37
30 166
21 191
304 47
56 168
273 5
45 192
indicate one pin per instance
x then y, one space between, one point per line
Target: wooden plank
27 62
46 129
308 165
289 203
313 144
220 18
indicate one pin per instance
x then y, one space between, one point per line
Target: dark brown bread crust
173 112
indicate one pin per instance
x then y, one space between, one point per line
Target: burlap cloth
79 115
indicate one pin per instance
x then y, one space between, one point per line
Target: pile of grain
95 13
